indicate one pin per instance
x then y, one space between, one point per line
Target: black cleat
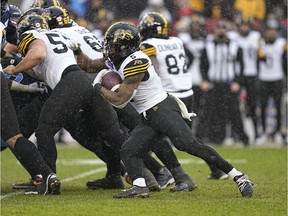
164 178
49 187
31 187
53 185
133 192
218 175
244 184
105 183
185 184
24 186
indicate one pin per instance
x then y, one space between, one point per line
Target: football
111 80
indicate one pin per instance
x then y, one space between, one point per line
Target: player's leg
173 125
27 153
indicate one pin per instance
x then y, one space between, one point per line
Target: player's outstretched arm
36 52
84 61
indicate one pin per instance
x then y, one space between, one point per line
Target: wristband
77 52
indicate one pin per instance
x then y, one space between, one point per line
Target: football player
169 60
272 75
59 21
249 42
163 114
26 151
46 52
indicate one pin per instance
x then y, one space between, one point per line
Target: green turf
267 167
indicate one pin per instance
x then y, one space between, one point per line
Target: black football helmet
153 25
57 17
15 14
45 3
31 12
120 40
32 22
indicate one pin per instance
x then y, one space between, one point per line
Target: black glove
8 60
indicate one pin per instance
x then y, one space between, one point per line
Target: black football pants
166 120
72 93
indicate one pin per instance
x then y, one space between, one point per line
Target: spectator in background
157 6
251 8
272 74
194 41
99 17
248 40
197 6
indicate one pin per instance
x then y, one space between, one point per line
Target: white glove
37 87
73 44
98 78
31 88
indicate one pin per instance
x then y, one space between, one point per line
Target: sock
234 173
30 157
139 182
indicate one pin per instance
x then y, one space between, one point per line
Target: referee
221 81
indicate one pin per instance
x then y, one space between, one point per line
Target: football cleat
164 178
134 192
244 184
183 186
186 184
24 185
50 186
105 183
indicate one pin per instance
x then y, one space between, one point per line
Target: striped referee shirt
222 62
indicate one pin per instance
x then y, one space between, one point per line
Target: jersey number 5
51 38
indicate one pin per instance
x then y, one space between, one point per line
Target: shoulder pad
148 49
136 66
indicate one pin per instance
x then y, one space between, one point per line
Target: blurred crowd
99 14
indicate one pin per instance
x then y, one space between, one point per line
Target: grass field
267 168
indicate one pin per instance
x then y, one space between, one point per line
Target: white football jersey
195 46
90 45
272 69
58 58
249 45
150 91
172 69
